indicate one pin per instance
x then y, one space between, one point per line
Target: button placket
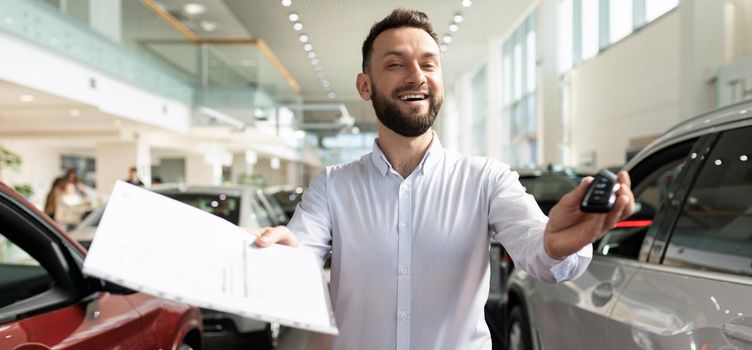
404 256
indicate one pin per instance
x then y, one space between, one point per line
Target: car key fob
601 193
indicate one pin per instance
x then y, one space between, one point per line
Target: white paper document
153 244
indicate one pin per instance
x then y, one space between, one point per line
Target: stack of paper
153 244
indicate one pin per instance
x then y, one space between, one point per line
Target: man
133 177
410 224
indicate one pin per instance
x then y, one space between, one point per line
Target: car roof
555 171
729 117
204 189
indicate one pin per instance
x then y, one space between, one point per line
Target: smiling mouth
413 97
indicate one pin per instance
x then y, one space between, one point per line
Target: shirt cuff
567 268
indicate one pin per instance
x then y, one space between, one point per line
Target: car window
276 209
626 239
714 229
222 205
259 215
21 276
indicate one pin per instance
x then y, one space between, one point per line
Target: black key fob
601 193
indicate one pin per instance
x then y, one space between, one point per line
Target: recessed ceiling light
458 18
311 54
194 9
355 130
447 39
297 26
286 3
308 47
303 38
26 98
318 67
74 113
467 3
453 27
331 95
322 74
325 83
208 26
443 48
315 61
300 134
293 17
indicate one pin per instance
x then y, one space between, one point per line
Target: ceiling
336 29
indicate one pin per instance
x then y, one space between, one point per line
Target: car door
575 314
695 292
44 299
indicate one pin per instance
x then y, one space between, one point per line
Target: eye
395 65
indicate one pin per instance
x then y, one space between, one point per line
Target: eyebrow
401 53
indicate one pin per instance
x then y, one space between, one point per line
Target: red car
46 302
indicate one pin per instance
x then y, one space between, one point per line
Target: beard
410 124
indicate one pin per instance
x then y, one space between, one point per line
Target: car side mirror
100 285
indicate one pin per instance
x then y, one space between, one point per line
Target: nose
415 75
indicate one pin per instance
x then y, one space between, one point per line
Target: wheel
518 330
185 346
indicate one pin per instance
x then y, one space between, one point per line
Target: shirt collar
379 160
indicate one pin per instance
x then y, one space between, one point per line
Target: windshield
224 206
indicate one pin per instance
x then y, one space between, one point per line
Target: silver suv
678 273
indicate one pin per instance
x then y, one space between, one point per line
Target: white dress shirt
410 256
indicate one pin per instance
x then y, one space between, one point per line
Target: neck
404 153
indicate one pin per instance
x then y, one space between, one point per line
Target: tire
185 346
518 330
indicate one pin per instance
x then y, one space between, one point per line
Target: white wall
40 166
630 90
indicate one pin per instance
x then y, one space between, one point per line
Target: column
701 50
105 18
550 133
198 171
114 159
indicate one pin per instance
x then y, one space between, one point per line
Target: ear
363 84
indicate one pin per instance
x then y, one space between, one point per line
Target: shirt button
403 316
403 270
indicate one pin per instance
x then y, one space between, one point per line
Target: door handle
738 332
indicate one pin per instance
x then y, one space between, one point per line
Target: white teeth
408 97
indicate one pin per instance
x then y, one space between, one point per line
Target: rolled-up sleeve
517 222
311 222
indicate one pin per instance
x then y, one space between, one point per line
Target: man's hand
569 229
267 236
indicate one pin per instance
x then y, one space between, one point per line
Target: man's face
405 82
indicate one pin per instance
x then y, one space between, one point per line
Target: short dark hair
397 19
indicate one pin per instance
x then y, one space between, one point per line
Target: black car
288 197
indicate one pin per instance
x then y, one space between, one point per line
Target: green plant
8 159
24 190
256 180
